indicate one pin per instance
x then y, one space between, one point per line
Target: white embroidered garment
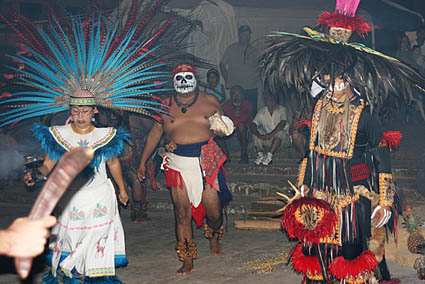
89 230
191 172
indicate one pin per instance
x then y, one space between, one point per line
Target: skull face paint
184 82
338 86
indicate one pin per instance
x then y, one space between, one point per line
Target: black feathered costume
347 166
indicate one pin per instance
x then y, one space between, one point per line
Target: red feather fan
324 225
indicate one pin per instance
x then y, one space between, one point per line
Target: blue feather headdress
120 75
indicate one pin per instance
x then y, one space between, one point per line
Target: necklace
335 109
82 131
188 104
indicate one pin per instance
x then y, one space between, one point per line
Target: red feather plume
356 24
302 123
392 139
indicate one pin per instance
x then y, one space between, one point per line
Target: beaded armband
386 189
301 172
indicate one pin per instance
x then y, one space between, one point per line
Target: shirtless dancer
188 129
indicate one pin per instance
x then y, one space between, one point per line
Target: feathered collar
56 140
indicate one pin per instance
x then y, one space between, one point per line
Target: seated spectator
420 40
405 53
214 86
299 132
420 59
269 129
240 110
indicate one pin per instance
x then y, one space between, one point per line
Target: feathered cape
291 62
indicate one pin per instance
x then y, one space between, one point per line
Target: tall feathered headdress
291 63
87 67
164 28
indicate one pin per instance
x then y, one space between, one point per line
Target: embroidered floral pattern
99 211
60 134
103 271
76 215
83 143
212 158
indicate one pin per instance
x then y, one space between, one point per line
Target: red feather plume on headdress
345 17
356 24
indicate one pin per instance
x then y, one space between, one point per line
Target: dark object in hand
421 249
32 163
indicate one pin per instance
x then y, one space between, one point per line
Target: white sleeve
258 119
283 114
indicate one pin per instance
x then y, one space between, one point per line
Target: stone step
402 154
261 185
267 185
290 168
267 188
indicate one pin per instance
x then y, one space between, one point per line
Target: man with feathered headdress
346 173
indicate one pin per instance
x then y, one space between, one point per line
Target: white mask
315 89
338 87
184 82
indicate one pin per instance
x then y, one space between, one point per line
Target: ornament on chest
333 132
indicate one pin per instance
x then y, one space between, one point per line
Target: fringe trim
354 270
48 278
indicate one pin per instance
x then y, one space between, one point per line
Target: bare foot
215 247
186 267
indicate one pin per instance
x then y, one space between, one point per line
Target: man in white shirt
270 129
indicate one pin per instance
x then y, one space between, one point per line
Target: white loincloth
191 172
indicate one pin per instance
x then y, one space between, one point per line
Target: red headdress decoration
344 17
184 68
